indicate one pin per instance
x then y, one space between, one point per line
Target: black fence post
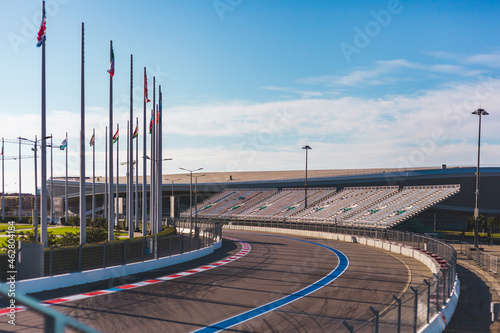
415 321
376 313
349 327
398 300
428 283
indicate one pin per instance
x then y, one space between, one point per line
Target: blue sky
247 83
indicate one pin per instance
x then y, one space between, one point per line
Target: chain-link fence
62 260
405 312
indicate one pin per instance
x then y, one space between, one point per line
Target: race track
277 267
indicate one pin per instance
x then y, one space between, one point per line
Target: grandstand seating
380 207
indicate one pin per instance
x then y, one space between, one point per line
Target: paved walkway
479 288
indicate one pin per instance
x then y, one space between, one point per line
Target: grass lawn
468 234
5 226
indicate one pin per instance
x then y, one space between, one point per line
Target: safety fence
404 312
487 261
62 260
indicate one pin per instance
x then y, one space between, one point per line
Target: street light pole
306 147
479 112
196 205
191 199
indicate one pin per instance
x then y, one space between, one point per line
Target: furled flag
64 144
2 149
146 99
136 132
115 137
40 38
111 69
151 125
92 140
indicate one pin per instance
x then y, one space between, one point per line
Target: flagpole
157 165
35 212
152 186
130 208
3 184
137 177
144 171
51 182
66 184
43 146
83 198
20 198
117 175
152 223
111 218
160 162
106 174
93 174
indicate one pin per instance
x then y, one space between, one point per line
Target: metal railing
54 321
487 261
404 312
62 260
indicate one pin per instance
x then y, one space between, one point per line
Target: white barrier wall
78 278
438 322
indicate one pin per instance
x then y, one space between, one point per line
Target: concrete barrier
78 278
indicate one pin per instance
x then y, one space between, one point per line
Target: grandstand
372 206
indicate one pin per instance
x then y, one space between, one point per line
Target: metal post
106 216
415 310
398 300
3 184
137 179
479 112
117 177
428 283
349 327
44 151
306 147
130 156
20 199
66 185
35 215
111 210
83 198
144 170
51 182
93 175
437 292
376 313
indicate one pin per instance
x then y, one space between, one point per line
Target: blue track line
335 273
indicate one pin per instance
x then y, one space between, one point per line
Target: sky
247 83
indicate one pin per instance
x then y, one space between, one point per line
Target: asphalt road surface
276 267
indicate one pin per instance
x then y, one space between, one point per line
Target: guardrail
408 311
54 321
486 261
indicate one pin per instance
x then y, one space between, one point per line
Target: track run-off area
261 283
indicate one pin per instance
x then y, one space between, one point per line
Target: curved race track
276 267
